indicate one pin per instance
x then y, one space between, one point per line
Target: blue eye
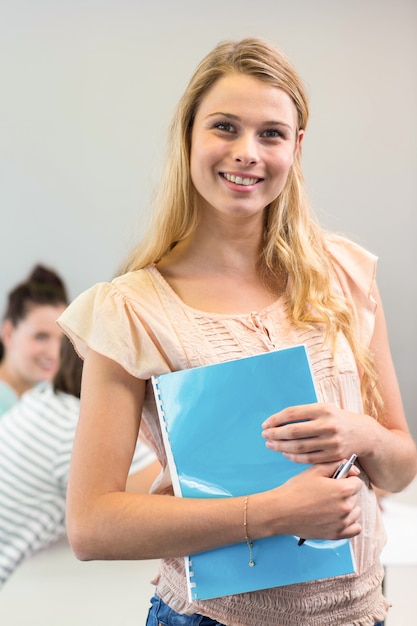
272 132
225 126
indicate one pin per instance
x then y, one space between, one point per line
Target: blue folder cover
211 419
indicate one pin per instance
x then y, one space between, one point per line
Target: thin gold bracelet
245 526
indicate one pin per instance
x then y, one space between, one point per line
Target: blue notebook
211 419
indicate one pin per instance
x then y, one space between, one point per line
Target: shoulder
353 263
137 279
123 289
355 270
125 320
42 404
346 249
8 397
64 404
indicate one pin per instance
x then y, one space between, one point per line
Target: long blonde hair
293 241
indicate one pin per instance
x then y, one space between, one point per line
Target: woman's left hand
317 433
323 433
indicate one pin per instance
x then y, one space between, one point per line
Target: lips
240 180
48 368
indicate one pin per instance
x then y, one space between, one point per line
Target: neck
228 249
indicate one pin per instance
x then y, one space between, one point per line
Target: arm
385 449
106 522
391 458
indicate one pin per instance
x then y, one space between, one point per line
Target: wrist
266 514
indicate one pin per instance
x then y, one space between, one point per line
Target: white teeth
239 180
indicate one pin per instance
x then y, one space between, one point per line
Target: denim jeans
161 615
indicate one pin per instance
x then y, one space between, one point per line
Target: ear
6 332
299 141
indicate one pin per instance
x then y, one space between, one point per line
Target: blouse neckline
153 270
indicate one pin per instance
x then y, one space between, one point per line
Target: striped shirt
36 437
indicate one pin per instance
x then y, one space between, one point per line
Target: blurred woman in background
30 339
36 439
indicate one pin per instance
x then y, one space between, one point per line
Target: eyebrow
230 116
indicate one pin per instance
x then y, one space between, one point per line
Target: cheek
205 154
18 346
200 167
280 176
286 159
24 360
27 352
282 166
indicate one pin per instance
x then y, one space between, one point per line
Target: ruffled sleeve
104 319
355 269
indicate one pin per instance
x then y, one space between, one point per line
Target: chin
46 378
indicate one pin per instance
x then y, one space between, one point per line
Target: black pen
342 471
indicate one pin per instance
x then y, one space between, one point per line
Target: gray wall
88 88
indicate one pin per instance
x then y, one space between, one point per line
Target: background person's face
33 346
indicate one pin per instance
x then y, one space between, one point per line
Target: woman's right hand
314 505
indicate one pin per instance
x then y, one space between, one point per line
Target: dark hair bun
42 287
42 275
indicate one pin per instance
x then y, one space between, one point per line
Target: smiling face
243 143
32 347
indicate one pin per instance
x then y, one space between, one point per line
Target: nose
245 150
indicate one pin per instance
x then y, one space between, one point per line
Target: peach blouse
140 322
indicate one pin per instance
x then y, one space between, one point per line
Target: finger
325 469
291 431
328 470
352 530
291 414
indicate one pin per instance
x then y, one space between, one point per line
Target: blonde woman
234 265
